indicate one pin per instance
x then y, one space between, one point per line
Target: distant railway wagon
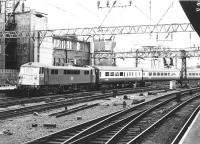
38 76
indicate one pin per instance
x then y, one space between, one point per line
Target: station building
56 50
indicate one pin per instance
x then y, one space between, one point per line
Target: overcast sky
84 13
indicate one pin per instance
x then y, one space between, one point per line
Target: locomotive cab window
41 70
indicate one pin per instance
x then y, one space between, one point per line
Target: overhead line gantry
95 31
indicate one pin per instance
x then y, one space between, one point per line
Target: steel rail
158 123
186 125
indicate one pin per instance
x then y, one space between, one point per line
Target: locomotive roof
37 64
34 64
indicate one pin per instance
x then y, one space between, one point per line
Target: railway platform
192 135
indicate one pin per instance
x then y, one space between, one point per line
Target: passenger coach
118 76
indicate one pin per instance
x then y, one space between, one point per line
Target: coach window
196 74
190 74
117 74
111 73
161 74
106 73
99 74
154 74
150 73
121 73
158 74
168 74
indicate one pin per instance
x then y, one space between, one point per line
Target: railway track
172 122
5 102
126 129
82 134
52 105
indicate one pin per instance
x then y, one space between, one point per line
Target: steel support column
183 75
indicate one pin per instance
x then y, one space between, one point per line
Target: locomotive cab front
31 74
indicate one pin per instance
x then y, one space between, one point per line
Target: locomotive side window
106 73
121 73
54 71
71 72
86 72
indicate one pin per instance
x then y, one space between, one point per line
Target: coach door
46 76
92 76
